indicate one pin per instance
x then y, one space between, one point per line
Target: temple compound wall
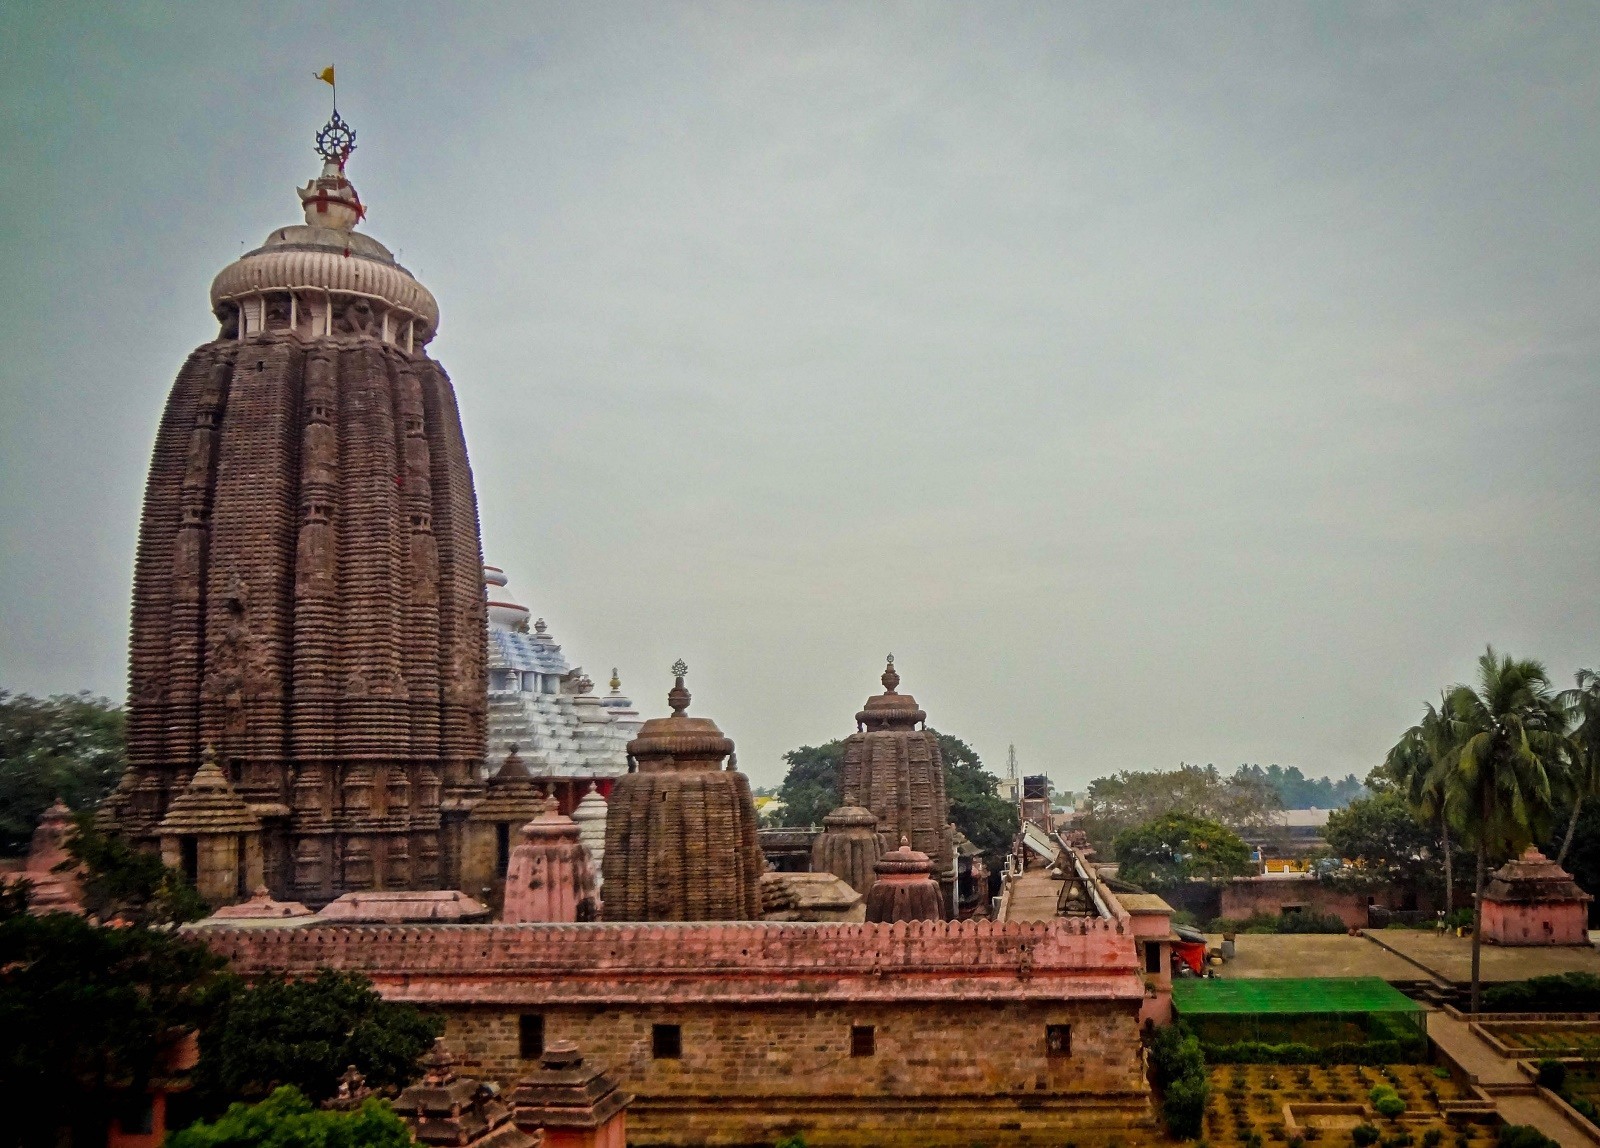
925 1033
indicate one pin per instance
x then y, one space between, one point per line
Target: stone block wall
753 1074
1246 897
959 1013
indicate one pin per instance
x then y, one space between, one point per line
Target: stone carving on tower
681 832
307 594
893 767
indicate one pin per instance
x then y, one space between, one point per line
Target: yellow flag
326 75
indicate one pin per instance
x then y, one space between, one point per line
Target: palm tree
1583 707
1420 764
1511 732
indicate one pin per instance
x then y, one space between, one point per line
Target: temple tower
905 889
307 594
894 768
848 847
548 877
681 832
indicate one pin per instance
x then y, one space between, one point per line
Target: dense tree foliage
286 1119
1133 798
87 1013
1176 848
811 790
304 1033
1297 791
1382 835
989 821
1582 704
69 746
123 883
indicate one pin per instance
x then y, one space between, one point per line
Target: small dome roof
327 255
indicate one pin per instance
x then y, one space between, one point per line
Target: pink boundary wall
612 964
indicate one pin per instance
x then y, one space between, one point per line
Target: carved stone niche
356 317
277 312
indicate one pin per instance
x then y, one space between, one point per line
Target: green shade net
1310 1010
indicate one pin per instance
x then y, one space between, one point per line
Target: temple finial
616 682
890 679
678 696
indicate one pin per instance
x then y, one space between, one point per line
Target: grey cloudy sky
1156 382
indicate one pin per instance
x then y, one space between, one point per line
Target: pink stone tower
549 878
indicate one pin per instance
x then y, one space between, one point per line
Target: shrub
1552 1075
1431 1138
1524 1136
1387 1101
1372 1052
1561 992
286 1117
1185 1104
1364 1134
1174 1054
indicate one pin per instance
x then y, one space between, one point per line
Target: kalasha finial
539 627
616 682
890 679
678 696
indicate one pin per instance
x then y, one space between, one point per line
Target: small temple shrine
53 885
893 767
457 1111
574 1103
548 878
1533 901
681 832
905 889
212 837
848 847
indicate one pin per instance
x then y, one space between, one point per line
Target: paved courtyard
1450 957
1312 955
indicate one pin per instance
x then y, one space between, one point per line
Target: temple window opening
666 1041
1058 1040
863 1040
530 1036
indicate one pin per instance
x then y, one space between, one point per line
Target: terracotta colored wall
1508 923
754 1074
1245 898
959 1011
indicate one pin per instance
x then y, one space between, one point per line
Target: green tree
810 790
1131 798
304 1033
1583 706
69 746
1178 847
286 1119
1383 835
989 821
87 1013
1419 764
1512 733
122 882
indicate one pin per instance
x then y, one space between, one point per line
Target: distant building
565 734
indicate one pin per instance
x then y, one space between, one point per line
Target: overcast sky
1157 383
